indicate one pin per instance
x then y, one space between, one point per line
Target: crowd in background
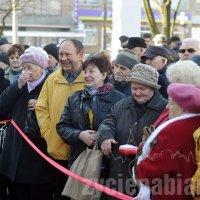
148 96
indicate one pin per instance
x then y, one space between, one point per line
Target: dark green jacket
125 124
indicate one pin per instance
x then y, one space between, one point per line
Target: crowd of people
148 97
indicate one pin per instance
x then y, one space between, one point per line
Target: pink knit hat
187 96
35 55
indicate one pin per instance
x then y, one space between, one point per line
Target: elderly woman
167 163
180 72
31 175
125 123
86 109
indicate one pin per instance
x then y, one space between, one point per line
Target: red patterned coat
167 162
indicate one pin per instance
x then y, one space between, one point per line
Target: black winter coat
75 118
18 161
163 82
125 124
4 83
123 87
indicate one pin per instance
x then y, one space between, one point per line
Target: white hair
192 41
185 71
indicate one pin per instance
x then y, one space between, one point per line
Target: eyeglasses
188 50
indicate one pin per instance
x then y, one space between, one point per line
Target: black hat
124 40
52 49
196 59
4 58
147 35
153 51
126 59
175 38
3 41
136 42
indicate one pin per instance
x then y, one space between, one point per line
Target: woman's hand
106 146
89 137
23 78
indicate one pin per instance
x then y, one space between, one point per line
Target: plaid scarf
90 92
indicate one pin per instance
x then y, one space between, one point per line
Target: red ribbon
83 180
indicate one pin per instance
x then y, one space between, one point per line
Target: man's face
120 72
174 44
187 50
141 93
148 41
69 58
157 62
139 51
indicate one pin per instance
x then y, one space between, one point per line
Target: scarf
33 85
16 71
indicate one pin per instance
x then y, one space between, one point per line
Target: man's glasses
188 50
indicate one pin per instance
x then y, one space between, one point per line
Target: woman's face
141 93
14 60
35 71
93 77
174 109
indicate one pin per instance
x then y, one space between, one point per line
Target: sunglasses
188 50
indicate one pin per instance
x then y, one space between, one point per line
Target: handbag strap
95 146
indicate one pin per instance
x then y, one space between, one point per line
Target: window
90 3
43 7
108 38
91 35
184 5
198 4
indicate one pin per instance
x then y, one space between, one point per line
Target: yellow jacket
49 108
195 183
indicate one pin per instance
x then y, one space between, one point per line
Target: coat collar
59 77
105 97
154 102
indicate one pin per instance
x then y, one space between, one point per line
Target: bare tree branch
174 17
10 2
150 17
166 13
3 21
158 4
4 10
19 5
167 2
